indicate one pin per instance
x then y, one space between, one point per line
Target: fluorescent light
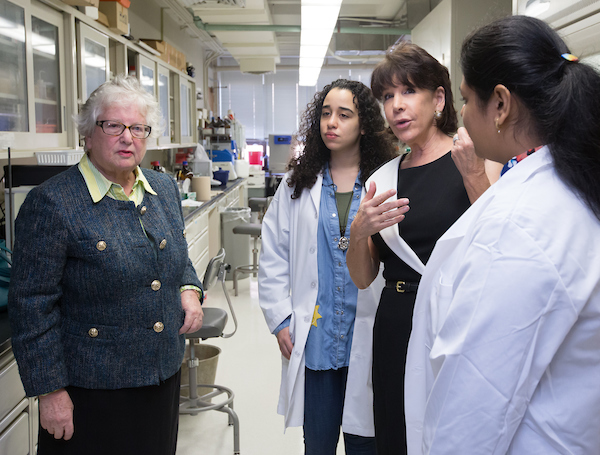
318 20
313 52
536 7
309 76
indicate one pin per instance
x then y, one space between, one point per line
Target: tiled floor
250 365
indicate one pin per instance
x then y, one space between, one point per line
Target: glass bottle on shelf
156 166
185 172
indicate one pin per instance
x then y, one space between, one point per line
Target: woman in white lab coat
504 356
322 322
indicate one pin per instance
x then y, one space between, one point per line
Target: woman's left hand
463 154
470 166
193 311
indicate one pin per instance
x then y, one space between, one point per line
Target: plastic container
59 158
221 176
255 158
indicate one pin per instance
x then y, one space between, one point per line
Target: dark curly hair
376 146
413 66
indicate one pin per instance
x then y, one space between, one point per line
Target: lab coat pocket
440 304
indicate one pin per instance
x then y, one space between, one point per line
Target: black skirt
141 420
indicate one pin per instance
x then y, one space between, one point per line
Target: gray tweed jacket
93 301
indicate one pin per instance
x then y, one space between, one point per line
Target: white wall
443 30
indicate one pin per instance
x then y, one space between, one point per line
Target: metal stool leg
251 269
255 257
194 404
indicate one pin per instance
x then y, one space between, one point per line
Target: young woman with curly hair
322 322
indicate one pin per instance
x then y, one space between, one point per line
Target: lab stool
213 326
258 206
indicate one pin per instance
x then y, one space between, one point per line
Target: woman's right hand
56 414
375 214
285 342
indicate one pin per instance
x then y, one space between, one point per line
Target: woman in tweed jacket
102 289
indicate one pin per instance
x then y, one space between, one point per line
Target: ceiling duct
257 65
214 3
351 44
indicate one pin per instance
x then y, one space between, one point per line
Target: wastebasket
237 246
208 357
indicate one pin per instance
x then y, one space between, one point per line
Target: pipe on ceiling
295 29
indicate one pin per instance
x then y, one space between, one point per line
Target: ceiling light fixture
536 7
318 20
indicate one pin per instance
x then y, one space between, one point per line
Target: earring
497 123
437 115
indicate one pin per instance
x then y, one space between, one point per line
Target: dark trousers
136 421
391 332
324 393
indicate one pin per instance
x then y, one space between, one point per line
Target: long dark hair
413 66
375 145
562 98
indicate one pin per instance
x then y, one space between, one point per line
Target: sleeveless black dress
437 199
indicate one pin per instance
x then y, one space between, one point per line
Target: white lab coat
504 357
288 285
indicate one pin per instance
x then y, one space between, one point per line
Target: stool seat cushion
248 229
213 324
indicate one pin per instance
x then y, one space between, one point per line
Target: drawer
15 439
195 227
199 247
11 388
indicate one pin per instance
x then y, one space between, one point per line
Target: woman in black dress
440 176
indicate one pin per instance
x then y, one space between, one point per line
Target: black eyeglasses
111 128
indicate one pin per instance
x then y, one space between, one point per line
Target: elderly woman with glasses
102 289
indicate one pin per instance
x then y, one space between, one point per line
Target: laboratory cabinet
54 56
32 86
18 427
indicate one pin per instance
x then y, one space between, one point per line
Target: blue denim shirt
330 337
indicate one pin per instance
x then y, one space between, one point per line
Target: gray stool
258 205
213 326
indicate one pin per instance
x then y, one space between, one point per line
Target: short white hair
123 91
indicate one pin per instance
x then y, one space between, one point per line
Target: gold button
101 245
93 332
159 327
184 233
143 210
163 244
155 285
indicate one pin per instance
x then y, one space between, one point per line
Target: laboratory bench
203 223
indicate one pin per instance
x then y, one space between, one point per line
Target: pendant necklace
345 241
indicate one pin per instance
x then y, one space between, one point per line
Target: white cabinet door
147 76
32 89
164 100
185 115
92 53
